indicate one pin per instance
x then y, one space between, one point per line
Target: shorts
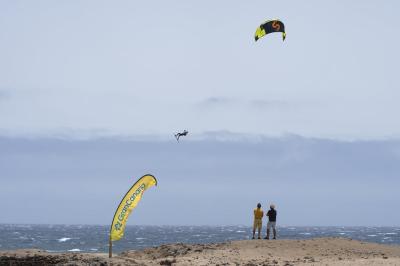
257 224
271 224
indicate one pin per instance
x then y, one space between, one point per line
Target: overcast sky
207 182
77 77
152 67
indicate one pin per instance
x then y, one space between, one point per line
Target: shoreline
315 251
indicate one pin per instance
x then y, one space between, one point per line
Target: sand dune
319 251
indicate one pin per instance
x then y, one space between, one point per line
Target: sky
91 93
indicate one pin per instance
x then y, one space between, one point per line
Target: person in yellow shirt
258 215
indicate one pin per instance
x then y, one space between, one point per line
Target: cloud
4 94
326 176
254 103
216 101
259 103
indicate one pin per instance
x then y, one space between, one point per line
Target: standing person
271 220
258 215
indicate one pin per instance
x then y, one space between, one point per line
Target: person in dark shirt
271 221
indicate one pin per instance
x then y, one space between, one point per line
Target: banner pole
110 248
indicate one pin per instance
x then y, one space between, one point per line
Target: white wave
140 238
64 239
240 231
74 250
390 233
371 235
305 233
93 249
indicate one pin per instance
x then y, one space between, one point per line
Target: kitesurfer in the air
178 135
257 224
271 221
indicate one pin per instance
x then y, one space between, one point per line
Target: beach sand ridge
318 251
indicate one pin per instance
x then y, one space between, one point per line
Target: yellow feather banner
128 203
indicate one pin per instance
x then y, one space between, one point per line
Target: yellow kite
128 203
270 26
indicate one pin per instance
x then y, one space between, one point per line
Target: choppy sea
92 238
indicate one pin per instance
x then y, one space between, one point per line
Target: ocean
92 238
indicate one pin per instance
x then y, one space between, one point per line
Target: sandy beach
319 251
